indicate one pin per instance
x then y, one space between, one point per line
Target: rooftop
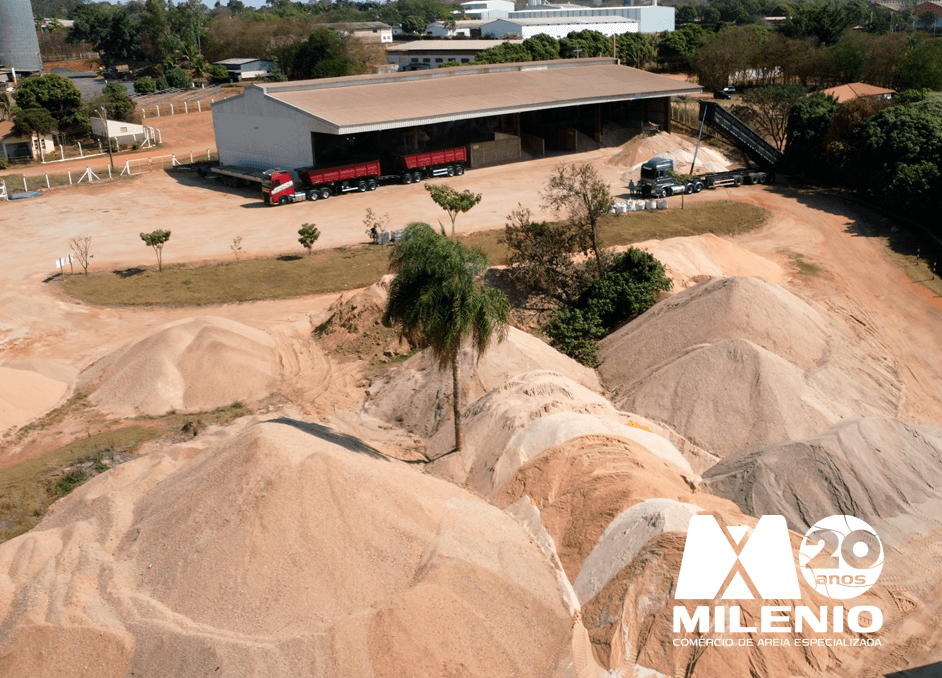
465 45
554 20
348 105
855 90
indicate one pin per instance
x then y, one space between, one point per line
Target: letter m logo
730 562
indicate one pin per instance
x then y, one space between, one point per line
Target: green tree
505 53
56 94
179 78
437 302
116 102
29 120
687 13
579 192
808 123
157 239
922 67
772 105
453 202
582 44
635 49
542 47
145 85
825 20
309 235
414 25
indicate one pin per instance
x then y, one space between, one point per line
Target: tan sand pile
285 550
677 147
582 485
417 395
25 394
189 365
690 259
526 416
47 368
714 363
354 326
880 470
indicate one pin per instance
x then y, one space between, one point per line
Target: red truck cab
278 187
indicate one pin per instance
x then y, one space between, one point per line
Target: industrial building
425 54
559 27
246 69
650 18
499 111
487 9
19 46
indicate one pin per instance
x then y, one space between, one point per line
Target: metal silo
19 47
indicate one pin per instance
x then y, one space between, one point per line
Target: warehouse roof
558 20
386 101
448 45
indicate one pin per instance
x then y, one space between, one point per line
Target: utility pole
104 119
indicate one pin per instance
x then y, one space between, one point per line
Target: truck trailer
658 179
279 187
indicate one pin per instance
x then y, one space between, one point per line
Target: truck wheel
361 187
407 178
283 200
688 189
737 182
325 193
459 170
417 177
451 171
697 187
662 193
312 195
372 185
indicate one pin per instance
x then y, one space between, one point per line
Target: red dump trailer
280 187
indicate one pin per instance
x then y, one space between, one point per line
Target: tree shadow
129 272
933 670
341 439
289 257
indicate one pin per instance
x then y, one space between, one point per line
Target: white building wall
253 131
653 19
501 27
122 132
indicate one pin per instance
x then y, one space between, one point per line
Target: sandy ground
36 321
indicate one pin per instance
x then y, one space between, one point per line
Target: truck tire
688 189
361 187
407 178
451 171
325 193
313 195
417 177
372 185
459 170
697 187
662 193
283 200
737 182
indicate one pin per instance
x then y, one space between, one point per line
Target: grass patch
804 267
30 487
347 268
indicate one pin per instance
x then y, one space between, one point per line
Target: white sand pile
689 260
624 538
877 469
284 551
189 365
25 393
417 395
48 368
735 362
525 417
677 147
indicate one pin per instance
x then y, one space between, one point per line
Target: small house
18 148
246 69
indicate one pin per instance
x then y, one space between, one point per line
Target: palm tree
437 302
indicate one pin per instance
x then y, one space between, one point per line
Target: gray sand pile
691 259
877 469
716 363
525 417
189 365
417 395
285 550
30 387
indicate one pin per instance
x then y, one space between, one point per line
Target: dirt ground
856 280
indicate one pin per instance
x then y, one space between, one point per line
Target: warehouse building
559 27
499 111
650 18
422 55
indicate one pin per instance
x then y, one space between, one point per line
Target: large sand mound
189 365
877 469
525 417
25 393
286 550
688 260
418 395
713 363
678 148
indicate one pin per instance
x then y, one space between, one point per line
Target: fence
10 185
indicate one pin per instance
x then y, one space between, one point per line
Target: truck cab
278 187
657 180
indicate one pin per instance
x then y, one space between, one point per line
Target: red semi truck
280 187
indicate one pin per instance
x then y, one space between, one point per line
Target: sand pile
285 550
523 418
878 469
677 147
689 260
354 326
714 364
189 365
30 387
417 395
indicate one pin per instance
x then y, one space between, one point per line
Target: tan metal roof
387 101
856 90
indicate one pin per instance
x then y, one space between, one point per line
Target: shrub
145 85
576 334
177 77
162 84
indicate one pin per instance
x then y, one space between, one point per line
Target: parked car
729 89
722 94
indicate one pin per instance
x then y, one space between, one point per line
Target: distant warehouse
500 111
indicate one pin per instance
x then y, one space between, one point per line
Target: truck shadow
187 177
